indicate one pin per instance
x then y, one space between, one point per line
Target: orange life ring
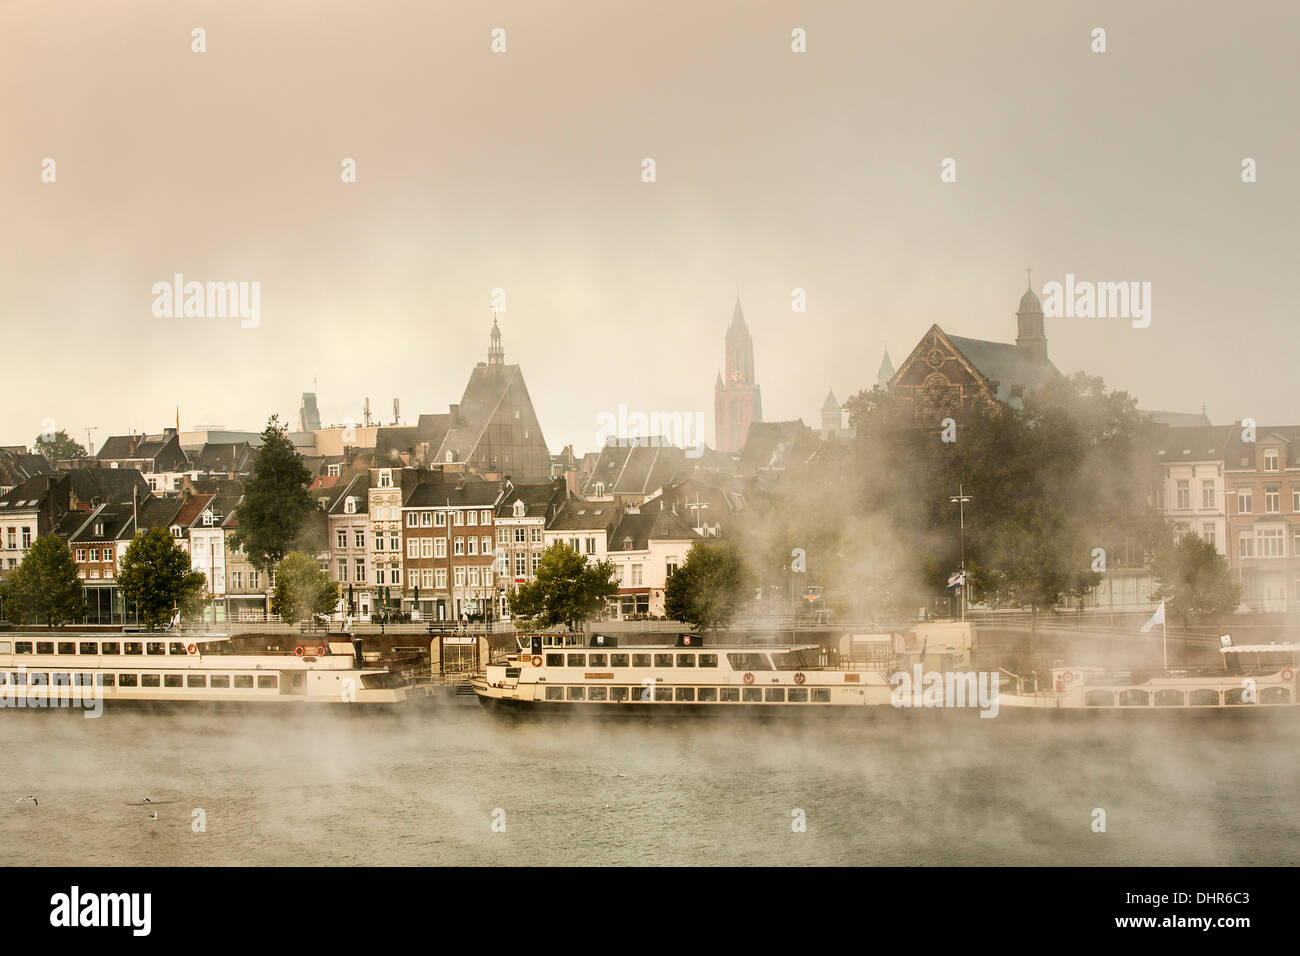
1286 674
1067 676
749 678
537 660
799 678
320 650
191 649
298 651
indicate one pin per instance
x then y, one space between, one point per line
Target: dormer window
1270 459
99 529
386 478
207 519
350 506
519 509
627 544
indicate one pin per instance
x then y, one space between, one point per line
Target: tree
302 590
276 504
710 587
567 589
44 587
1193 579
58 447
156 578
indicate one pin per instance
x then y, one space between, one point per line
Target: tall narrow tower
737 400
1030 334
496 351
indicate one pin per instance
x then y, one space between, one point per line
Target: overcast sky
522 170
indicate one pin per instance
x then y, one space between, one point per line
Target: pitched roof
191 510
1005 365
641 528
109 485
223 457
1192 444
579 515
474 493
636 467
777 445
537 497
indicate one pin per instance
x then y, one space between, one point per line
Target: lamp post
960 499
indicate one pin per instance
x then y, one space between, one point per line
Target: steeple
496 352
737 316
831 417
885 372
1029 320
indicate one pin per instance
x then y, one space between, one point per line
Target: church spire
496 352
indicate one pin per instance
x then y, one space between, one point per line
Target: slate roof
354 487
777 445
223 457
28 495
1192 444
537 498
642 528
109 485
635 468
442 494
1007 365
578 515
17 467
164 451
1238 451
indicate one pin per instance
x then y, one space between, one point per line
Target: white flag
1156 618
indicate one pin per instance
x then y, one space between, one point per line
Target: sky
522 170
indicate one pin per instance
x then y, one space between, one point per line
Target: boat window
618 693
803 659
4 647
132 647
577 660
752 695
663 660
821 695
38 679
85 679
640 660
685 660
1099 698
1133 698
708 660
1236 695
173 680
268 681
150 680
22 647
243 681
110 647
597 660
618 660
663 693
797 695
554 660
155 647
62 680
88 647
67 647
577 693
219 680
512 672
598 693
196 680
555 693
748 662
708 695
1203 698
775 695
175 647
44 647
1169 698
126 680
4 677
1275 695
686 693
104 680
729 695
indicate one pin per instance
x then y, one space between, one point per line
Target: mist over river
421 788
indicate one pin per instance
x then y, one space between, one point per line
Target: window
663 693
267 681
385 478
426 547
471 517
598 660
619 660
380 574
473 577
775 695
473 545
1243 501
412 519
555 693
81 555
460 518
440 577
485 517
797 695
359 576
1184 494
618 693
1272 500
359 539
821 695
1207 494
342 575
341 538
460 546
577 693
598 693
487 544
1269 543
243 681
440 519
1270 459
219 681
412 547
94 554
1245 545
752 695
460 577
439 547
126 680
686 694
577 660
1295 500
27 538
88 647
67 647
521 565
640 660
749 662
503 535
44 647
664 660
521 536
173 680
150 680
155 647
636 576
110 647
133 648
729 695
708 660
1203 698
554 660
1207 532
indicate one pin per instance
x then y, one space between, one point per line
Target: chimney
453 416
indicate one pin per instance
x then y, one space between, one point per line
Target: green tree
276 506
1193 579
156 578
44 588
710 586
58 447
302 590
567 589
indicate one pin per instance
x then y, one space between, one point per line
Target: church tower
1029 318
737 400
496 351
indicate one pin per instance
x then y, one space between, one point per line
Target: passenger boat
1094 688
63 669
565 673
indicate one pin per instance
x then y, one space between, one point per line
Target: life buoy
1286 674
749 678
1067 676
537 660
192 649
799 678
299 651
320 650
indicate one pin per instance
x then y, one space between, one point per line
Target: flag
956 580
1156 618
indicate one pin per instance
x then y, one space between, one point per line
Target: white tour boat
573 672
54 669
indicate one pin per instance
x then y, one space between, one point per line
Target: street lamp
960 499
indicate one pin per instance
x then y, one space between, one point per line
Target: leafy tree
60 447
302 590
567 589
1193 579
710 586
156 578
276 505
44 587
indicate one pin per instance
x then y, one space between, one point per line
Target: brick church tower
736 398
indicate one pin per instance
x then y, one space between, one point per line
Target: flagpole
1164 631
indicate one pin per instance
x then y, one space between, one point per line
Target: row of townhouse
1243 496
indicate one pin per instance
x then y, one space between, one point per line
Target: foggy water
895 788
